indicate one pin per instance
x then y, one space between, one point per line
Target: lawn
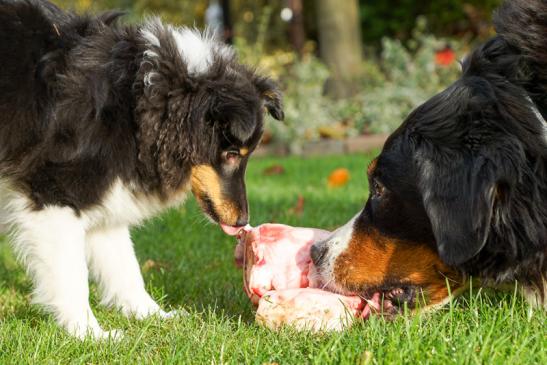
188 263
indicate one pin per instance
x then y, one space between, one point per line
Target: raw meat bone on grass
279 278
277 257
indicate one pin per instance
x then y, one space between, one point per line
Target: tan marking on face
244 151
372 166
269 94
372 260
206 183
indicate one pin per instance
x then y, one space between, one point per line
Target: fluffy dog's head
201 116
460 187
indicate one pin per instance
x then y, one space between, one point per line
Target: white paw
140 308
112 335
173 314
85 326
144 307
95 333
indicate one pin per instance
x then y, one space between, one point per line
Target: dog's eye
231 156
378 188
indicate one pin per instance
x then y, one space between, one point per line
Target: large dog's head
201 116
459 188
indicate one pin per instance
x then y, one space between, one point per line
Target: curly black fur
82 104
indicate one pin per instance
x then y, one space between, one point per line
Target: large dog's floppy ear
270 93
459 200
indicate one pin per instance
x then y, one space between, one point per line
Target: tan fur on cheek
372 260
206 183
372 166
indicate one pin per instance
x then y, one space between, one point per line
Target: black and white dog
103 125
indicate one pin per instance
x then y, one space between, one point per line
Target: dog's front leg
51 244
114 266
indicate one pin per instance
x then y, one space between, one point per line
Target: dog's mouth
236 231
389 302
221 217
386 301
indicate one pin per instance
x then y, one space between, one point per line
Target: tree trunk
340 45
227 21
297 35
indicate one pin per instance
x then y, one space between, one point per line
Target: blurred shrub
394 18
411 75
174 11
306 109
93 5
402 77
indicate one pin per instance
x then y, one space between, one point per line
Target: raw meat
279 278
277 257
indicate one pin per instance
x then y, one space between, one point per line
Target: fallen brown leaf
274 170
154 265
298 208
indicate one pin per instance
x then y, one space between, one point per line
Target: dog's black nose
317 253
242 221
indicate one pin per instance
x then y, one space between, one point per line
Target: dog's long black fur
75 112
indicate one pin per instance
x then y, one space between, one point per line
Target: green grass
197 273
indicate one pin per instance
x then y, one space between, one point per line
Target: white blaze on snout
335 245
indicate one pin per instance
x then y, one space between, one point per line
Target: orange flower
338 177
445 57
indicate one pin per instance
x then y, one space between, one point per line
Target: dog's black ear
459 200
270 93
233 111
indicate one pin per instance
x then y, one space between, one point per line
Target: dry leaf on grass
274 170
338 177
298 208
154 265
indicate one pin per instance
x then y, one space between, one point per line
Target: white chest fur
123 205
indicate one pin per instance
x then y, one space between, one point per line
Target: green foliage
445 17
411 76
174 11
93 5
392 85
393 18
306 109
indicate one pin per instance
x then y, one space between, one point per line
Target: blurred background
351 70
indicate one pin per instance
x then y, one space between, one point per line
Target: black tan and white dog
103 125
460 189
